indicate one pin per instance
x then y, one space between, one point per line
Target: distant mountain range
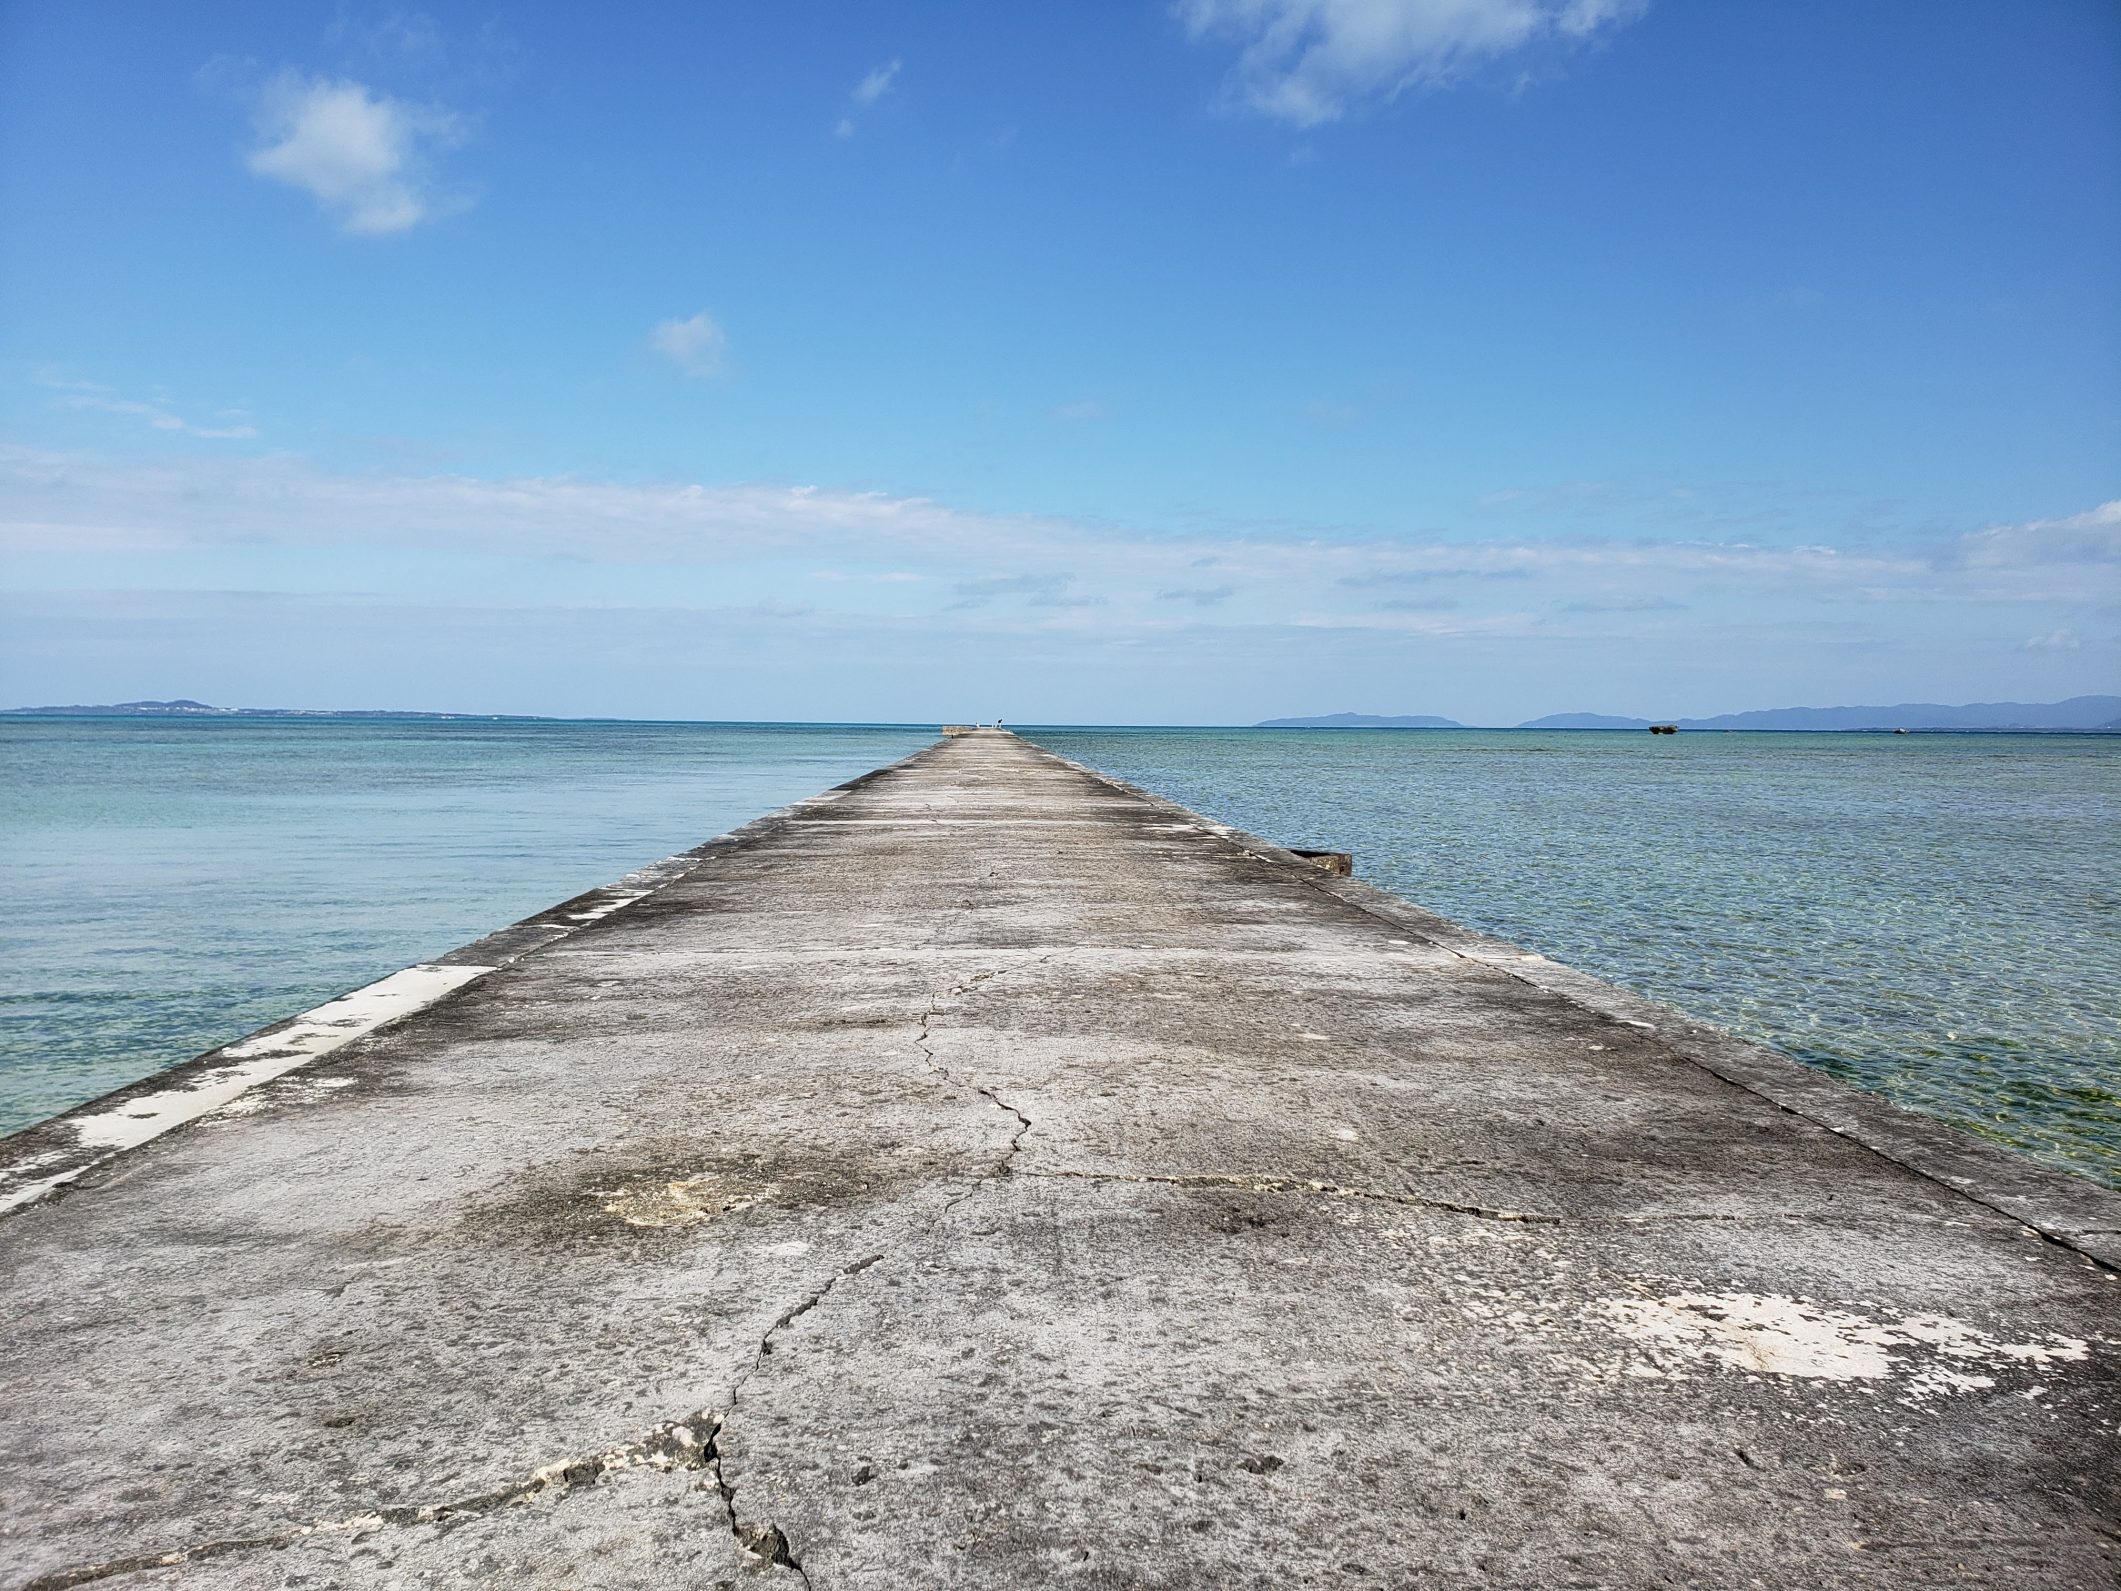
2078 713
189 709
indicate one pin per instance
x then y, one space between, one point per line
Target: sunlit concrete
988 1175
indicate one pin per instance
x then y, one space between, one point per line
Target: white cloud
366 158
877 84
1079 413
2090 537
1311 61
866 93
870 593
696 344
2008 581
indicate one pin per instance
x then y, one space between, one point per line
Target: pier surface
989 1176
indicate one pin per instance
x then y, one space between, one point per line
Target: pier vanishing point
989 1175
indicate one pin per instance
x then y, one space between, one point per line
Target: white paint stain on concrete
242 1066
1769 1334
605 907
337 1022
217 1082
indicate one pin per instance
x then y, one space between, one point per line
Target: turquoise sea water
1933 917
1937 918
173 884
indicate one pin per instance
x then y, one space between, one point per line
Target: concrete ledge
42 1159
2073 1211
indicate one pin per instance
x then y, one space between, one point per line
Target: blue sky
1114 362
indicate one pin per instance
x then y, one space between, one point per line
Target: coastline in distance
2078 713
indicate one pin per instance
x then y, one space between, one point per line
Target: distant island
2079 713
1585 721
1360 721
190 709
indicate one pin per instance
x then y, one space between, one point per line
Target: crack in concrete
1276 1183
1007 1166
692 1442
673 1445
935 1009
768 1541
923 1040
1871 1122
1307 1185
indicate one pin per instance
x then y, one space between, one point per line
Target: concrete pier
987 1175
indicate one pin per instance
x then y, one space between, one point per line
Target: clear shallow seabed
1937 918
174 884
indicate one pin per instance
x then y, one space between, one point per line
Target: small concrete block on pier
988 1175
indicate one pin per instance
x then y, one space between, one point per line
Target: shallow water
1934 917
173 884
1937 918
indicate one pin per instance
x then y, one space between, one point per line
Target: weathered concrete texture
993 1177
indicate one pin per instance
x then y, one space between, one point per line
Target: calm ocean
1937 918
175 883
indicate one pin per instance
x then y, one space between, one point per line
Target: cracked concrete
1222 1224
681 1444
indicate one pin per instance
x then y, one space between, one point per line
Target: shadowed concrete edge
45 1158
2070 1210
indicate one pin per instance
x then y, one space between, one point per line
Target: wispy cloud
1082 413
866 93
1418 604
1017 605
2055 641
1472 562
912 556
231 425
365 157
1623 605
696 344
412 37
2090 537
877 84
1313 61
1036 590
